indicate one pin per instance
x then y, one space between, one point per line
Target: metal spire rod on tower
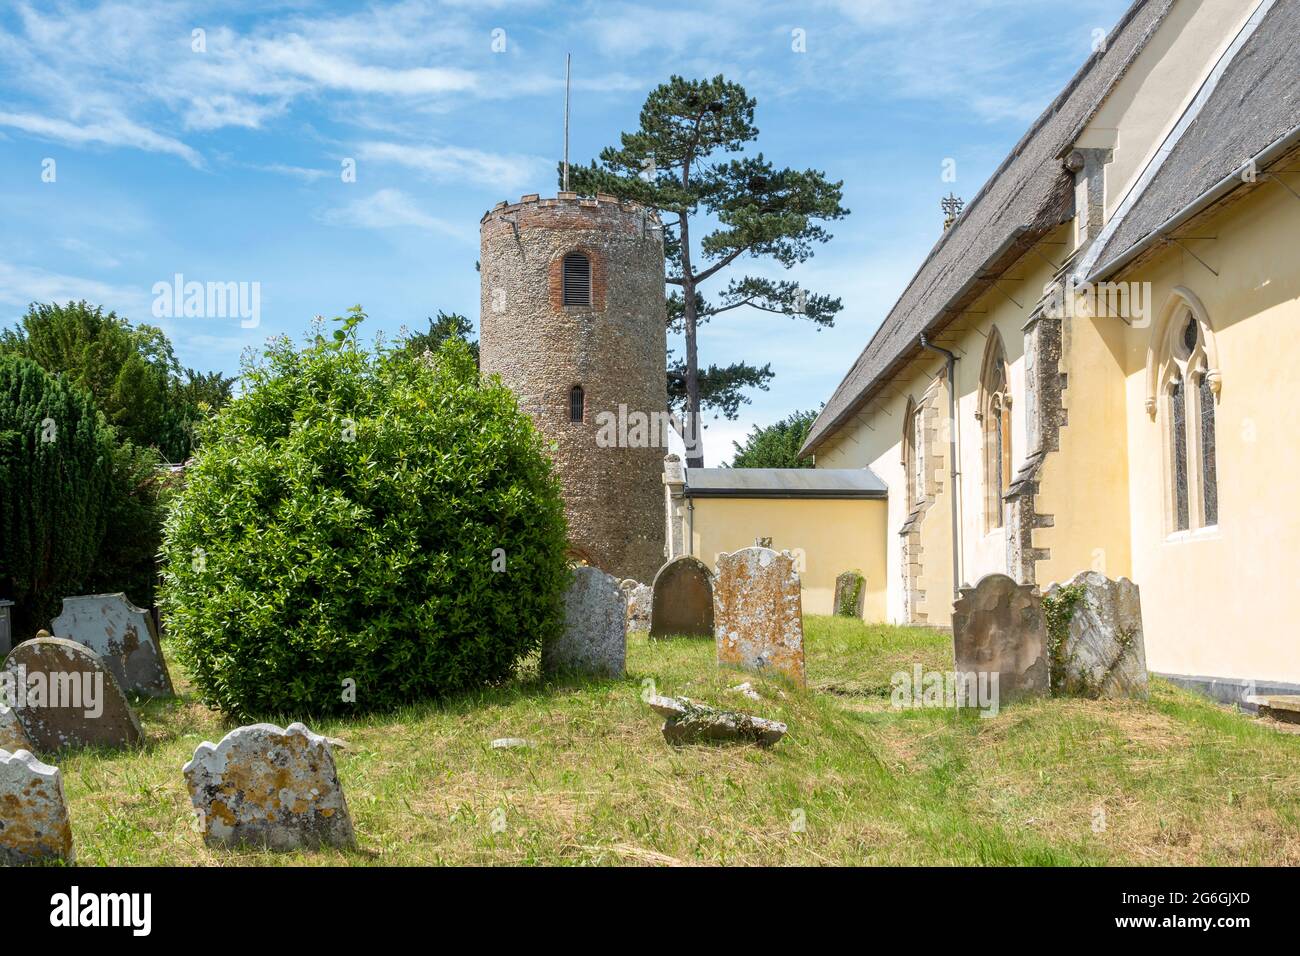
567 58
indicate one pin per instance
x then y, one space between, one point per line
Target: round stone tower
572 319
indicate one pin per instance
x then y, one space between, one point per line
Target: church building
1090 370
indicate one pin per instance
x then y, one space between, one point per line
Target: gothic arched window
1189 388
994 414
577 404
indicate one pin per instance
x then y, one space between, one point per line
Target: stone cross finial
952 206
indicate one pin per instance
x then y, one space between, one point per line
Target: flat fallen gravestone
691 723
64 695
998 628
263 786
1103 653
682 602
594 640
33 813
123 635
759 612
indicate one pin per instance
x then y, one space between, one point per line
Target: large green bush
340 524
56 481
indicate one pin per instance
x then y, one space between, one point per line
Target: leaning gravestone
682 602
12 736
263 786
595 628
998 627
758 612
850 592
65 696
33 813
638 597
1101 653
123 635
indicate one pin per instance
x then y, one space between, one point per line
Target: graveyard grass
1180 780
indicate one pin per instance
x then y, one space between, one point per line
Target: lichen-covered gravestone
33 813
850 592
594 640
758 612
639 600
263 786
691 723
123 635
682 602
1100 652
12 736
998 628
64 695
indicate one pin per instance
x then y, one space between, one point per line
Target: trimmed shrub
56 488
341 523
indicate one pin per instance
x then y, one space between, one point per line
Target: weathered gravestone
691 723
758 612
33 814
682 600
639 599
850 593
998 628
595 628
263 786
12 736
1100 651
123 635
65 696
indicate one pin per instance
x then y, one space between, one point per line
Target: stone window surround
932 461
993 410
1163 366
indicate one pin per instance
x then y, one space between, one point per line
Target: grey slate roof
1030 194
1255 103
783 483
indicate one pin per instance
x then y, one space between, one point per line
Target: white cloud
305 173
387 209
21 285
110 130
456 164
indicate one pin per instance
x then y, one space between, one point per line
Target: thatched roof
1030 194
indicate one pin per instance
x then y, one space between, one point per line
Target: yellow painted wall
874 440
831 535
1222 601
1158 86
1084 485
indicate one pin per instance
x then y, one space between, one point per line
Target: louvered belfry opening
577 404
577 279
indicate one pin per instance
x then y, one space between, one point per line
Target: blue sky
225 163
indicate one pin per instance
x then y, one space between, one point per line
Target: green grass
1180 780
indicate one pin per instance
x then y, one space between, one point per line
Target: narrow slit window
577 279
577 404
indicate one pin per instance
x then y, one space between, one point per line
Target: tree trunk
692 433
